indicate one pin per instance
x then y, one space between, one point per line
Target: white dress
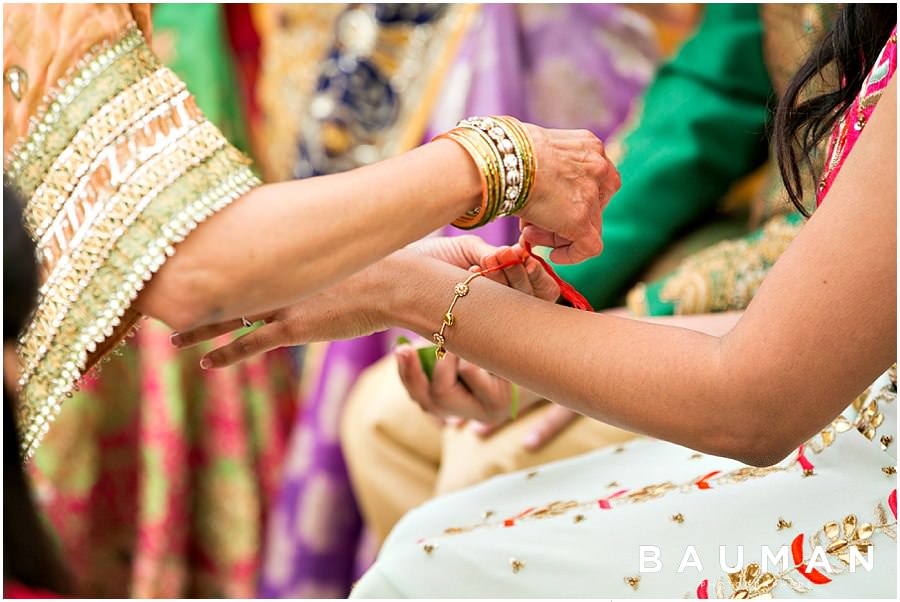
575 528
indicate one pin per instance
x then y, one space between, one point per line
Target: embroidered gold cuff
117 168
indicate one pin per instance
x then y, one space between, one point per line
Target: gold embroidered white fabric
117 167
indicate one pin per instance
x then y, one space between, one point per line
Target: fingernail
175 339
531 440
206 363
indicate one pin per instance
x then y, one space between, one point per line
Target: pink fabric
851 124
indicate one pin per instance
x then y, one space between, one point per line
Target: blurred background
160 479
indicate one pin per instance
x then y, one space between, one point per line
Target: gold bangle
482 154
459 291
504 155
494 172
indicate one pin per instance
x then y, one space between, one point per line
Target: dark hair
29 556
852 46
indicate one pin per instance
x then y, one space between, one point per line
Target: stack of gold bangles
503 152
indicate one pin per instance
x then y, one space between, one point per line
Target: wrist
467 177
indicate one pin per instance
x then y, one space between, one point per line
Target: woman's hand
355 306
573 183
458 389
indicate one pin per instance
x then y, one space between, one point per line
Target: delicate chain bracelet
459 291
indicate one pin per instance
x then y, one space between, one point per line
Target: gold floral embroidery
847 535
751 582
783 524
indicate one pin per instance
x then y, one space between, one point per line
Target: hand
457 389
472 253
573 184
354 307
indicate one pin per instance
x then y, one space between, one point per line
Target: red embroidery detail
702 484
703 590
802 459
604 502
509 522
811 574
892 502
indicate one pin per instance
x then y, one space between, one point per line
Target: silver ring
247 323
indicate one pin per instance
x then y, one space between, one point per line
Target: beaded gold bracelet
504 155
459 291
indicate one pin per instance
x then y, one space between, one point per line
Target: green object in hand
514 402
427 357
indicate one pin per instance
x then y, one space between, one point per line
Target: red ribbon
892 502
567 291
604 502
703 590
812 574
702 484
804 462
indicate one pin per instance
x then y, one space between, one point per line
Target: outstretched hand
353 307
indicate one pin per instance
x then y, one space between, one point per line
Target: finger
552 424
492 261
413 377
474 247
455 421
583 248
491 392
542 284
449 395
516 275
539 237
265 338
204 333
486 429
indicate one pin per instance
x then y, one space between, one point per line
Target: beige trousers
399 457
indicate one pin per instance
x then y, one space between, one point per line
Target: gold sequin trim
100 74
72 274
117 168
116 118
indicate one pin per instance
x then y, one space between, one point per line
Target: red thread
702 484
703 590
565 289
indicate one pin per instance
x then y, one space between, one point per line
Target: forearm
618 370
283 241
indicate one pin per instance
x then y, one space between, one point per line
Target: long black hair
852 46
29 556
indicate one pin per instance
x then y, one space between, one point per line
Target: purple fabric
555 65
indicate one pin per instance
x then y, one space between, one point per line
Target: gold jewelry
504 155
17 80
459 291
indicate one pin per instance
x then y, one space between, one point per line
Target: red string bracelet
568 292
